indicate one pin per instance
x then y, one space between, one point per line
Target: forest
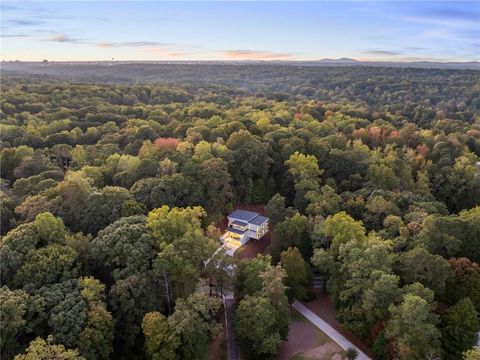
112 191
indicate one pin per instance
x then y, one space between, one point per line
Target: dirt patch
306 341
302 336
323 307
329 351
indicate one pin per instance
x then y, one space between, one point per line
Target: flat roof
258 220
239 223
243 215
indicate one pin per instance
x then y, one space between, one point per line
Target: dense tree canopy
113 189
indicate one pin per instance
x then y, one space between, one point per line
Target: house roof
243 215
236 231
258 220
239 223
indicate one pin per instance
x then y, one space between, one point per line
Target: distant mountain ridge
473 65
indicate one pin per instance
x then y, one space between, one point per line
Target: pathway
232 346
327 329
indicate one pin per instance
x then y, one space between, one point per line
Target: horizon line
325 60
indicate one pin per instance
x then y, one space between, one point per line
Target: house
242 226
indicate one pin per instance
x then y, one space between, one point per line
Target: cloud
255 55
130 44
65 39
383 52
26 22
13 35
166 52
466 36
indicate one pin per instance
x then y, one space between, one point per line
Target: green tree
248 280
96 339
123 248
413 329
273 288
249 160
161 339
418 265
130 299
262 340
306 175
49 265
297 275
460 326
50 228
472 354
292 232
20 315
277 211
45 350
323 202
194 321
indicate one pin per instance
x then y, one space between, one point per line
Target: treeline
110 193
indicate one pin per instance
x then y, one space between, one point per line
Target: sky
244 30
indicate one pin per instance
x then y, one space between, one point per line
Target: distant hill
270 76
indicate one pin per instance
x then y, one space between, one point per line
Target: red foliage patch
166 144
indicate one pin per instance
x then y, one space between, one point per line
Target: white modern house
242 226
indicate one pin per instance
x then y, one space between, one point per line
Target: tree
49 265
130 299
215 180
412 327
16 247
297 275
263 339
306 175
168 224
273 288
460 327
383 292
66 311
50 228
248 281
323 202
291 232
221 271
249 160
472 354
20 314
465 281
194 321
103 208
123 248
161 339
277 211
41 349
341 228
96 339
418 265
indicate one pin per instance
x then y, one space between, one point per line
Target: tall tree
460 326
297 275
161 339
413 329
